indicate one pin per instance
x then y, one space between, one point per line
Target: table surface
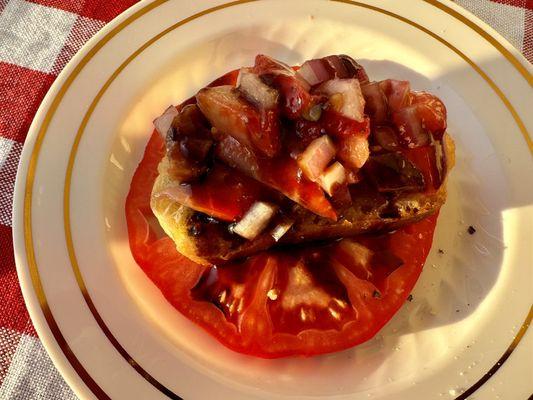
37 39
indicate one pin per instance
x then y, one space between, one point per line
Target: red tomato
296 98
397 93
431 111
425 159
266 136
275 304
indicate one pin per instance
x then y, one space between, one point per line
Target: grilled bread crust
207 241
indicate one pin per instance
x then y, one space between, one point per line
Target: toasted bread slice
208 241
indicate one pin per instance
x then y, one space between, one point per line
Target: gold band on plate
34 272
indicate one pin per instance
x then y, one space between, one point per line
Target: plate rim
30 291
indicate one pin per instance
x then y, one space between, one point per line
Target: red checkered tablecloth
37 39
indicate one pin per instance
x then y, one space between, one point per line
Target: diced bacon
164 121
351 104
333 176
255 220
354 151
410 129
316 157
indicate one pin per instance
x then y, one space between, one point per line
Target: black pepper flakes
441 251
376 294
410 297
471 230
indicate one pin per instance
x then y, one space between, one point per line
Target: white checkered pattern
31 375
33 35
9 157
37 39
506 19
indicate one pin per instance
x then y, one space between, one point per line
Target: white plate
111 333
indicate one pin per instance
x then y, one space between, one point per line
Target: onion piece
352 104
281 229
397 93
231 152
333 176
337 66
354 151
255 220
314 72
323 69
316 157
164 121
355 70
375 102
255 90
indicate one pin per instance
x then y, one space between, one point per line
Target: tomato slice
425 158
279 303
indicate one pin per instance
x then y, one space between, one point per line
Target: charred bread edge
175 219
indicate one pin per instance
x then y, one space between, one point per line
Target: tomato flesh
279 302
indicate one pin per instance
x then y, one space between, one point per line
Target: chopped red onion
375 102
355 70
255 220
256 91
337 67
397 93
281 229
316 157
164 121
352 104
314 72
333 176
